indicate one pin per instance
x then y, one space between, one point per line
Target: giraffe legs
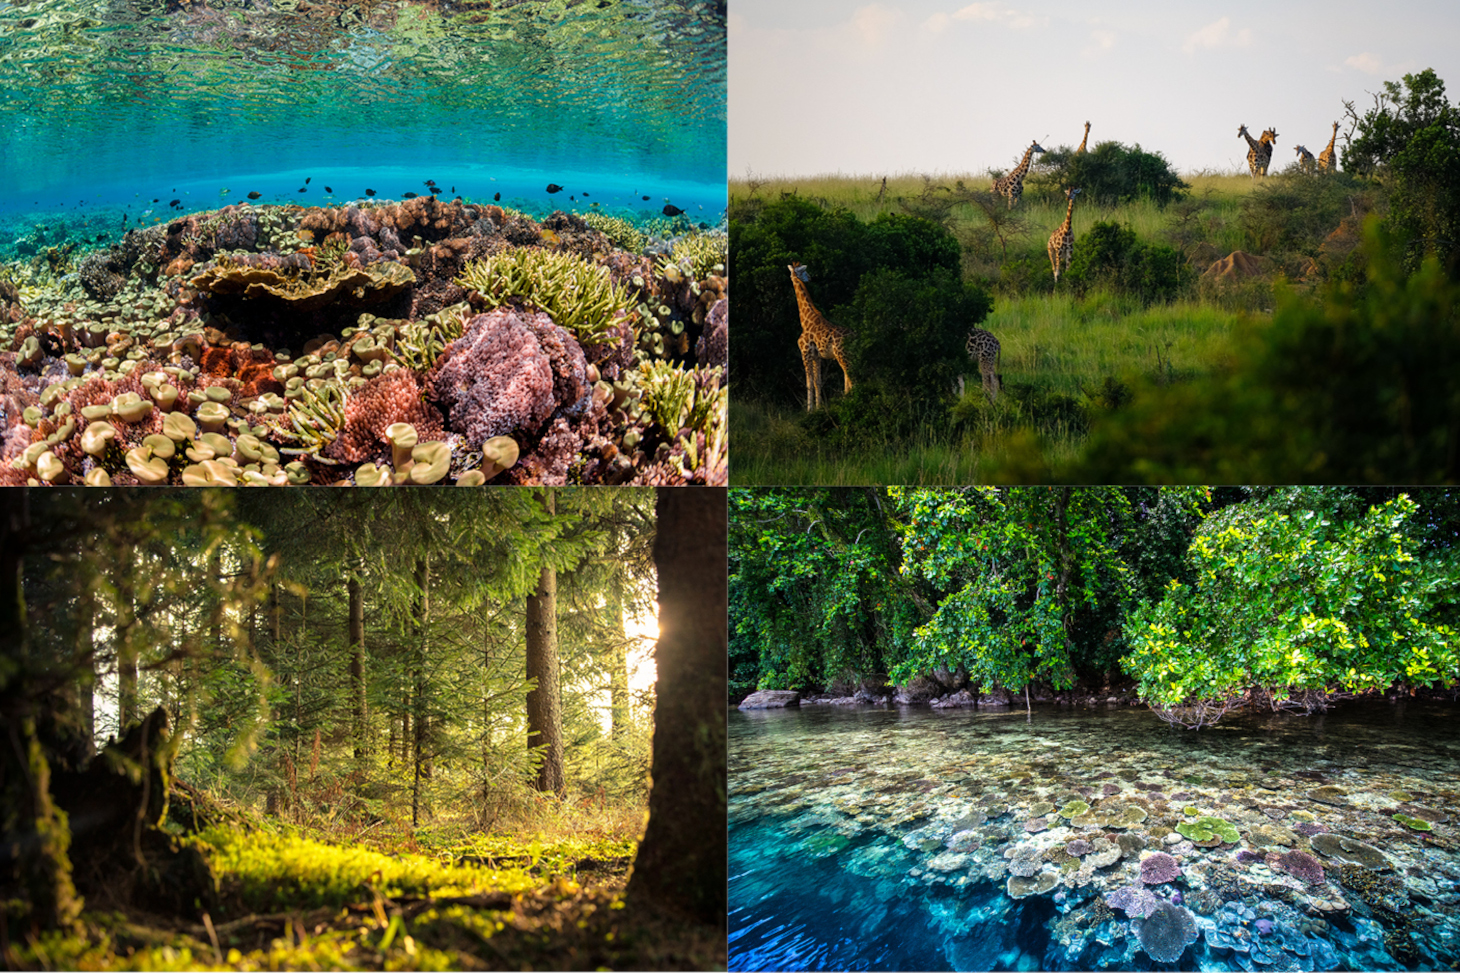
811 362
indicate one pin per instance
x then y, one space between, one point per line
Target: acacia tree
1289 610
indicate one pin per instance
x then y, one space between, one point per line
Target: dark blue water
875 838
120 107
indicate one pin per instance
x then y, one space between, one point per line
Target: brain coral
1159 867
1166 932
508 371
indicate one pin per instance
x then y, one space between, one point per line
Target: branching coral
620 232
702 253
578 295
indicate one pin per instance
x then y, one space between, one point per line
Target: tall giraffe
1081 149
1012 185
819 339
1062 241
1305 159
1327 161
1257 153
983 348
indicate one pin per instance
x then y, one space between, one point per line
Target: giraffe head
1035 147
1300 150
1242 132
1071 192
1269 135
798 271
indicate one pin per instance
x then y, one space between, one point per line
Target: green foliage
1110 173
576 294
1112 256
1358 386
838 249
1411 141
1292 212
909 332
1297 606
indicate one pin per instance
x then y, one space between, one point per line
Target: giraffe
983 348
1012 185
1269 140
1305 159
1327 161
1062 241
1081 149
819 339
1257 153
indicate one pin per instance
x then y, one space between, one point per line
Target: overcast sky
927 86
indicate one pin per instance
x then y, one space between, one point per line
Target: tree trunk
544 708
618 665
681 861
356 639
126 651
423 619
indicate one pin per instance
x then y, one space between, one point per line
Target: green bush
1112 256
838 249
1294 212
1109 173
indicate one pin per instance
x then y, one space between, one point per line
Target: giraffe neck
803 303
1086 138
1069 215
1024 164
1333 140
1251 142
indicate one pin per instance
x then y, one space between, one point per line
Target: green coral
1204 829
576 294
1414 824
675 400
1074 809
702 253
621 233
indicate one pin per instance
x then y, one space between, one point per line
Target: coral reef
1302 866
1166 932
1158 868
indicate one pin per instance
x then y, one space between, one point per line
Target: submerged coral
1166 932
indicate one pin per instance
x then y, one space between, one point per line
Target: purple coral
1159 868
1302 866
1034 825
1245 857
1310 829
1264 926
1166 932
1110 790
713 348
508 371
1134 902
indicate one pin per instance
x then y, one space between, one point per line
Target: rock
919 690
1238 265
771 699
960 698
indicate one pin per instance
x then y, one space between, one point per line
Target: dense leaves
1110 173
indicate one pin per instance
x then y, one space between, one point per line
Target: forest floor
440 899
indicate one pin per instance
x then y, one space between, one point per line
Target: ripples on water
876 838
108 103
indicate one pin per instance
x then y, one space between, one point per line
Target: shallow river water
914 839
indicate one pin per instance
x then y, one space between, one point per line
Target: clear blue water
119 107
878 838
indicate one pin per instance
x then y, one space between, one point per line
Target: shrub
1110 173
1110 255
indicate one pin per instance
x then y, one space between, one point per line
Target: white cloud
1217 34
871 24
1104 41
990 11
1365 62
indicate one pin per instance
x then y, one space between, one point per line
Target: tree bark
356 638
618 672
418 665
126 651
681 861
544 709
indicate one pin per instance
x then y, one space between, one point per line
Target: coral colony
374 343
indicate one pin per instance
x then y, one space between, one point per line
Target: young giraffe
1327 161
983 348
1081 149
1305 159
1257 153
1062 242
819 339
1012 185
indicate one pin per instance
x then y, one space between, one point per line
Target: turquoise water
877 838
114 108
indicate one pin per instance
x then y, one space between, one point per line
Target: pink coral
713 348
374 407
508 372
1302 866
1158 868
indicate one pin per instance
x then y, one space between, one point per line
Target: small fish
328 189
369 192
672 210
409 195
435 190
224 192
175 203
254 195
554 188
304 189
429 182
646 199
157 200
306 180
453 190
124 219
585 195
497 198
572 199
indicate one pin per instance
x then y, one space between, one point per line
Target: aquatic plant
576 294
1166 932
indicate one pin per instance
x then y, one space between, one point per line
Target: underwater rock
1329 795
954 700
1158 868
771 699
1166 932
